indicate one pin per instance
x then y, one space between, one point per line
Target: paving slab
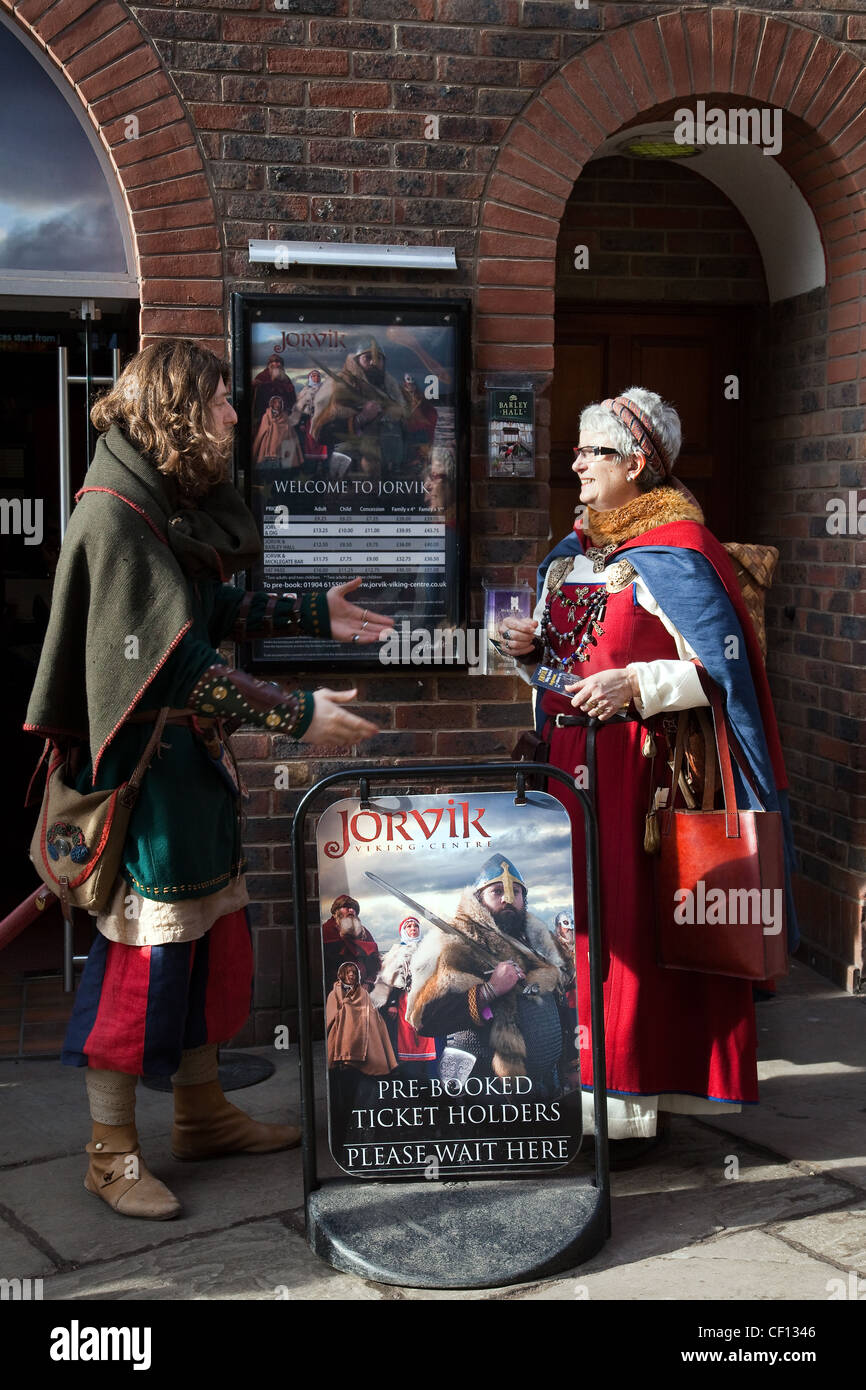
19 1258
44 1110
262 1261
50 1199
749 1265
812 1077
839 1236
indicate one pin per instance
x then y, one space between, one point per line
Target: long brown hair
160 401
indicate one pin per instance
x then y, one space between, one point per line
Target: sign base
457 1235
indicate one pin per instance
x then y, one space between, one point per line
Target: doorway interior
32 333
687 357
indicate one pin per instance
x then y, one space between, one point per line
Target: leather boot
129 1187
206 1125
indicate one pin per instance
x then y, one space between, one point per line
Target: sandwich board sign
448 958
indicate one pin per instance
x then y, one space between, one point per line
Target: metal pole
68 970
63 433
305 1034
88 385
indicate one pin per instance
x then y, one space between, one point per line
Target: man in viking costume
141 602
493 985
345 938
361 412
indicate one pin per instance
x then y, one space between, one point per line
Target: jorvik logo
711 907
407 829
745 125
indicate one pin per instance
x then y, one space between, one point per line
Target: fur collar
644 513
486 944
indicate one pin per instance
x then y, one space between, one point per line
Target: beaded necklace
584 633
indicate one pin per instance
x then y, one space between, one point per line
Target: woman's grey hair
665 424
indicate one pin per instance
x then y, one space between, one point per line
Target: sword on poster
450 928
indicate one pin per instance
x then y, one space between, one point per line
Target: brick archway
637 72
117 74
641 73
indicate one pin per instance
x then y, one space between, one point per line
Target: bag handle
720 725
709 798
732 815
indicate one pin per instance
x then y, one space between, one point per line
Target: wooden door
687 358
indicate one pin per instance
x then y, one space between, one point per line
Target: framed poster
448 957
352 439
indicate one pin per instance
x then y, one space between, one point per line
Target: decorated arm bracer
225 692
287 615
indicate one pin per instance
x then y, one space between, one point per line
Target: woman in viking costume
630 600
141 602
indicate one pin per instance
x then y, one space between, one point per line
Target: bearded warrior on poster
360 412
494 984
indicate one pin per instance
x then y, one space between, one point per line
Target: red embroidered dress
666 1031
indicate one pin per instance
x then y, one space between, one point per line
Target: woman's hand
603 693
334 726
349 623
516 635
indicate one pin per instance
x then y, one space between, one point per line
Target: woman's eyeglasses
594 451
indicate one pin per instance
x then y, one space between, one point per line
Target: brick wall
656 231
309 122
808 444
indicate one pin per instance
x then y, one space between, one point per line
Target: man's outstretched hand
349 622
334 726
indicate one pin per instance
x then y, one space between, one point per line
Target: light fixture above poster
283 254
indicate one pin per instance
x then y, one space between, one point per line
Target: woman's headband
640 428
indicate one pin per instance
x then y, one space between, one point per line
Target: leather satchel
720 876
78 842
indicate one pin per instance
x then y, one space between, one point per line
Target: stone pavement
766 1205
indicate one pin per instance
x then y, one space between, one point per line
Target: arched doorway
800 418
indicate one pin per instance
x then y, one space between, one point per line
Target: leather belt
149 716
567 721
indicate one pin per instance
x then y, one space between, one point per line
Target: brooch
619 576
65 839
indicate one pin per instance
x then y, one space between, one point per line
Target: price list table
388 544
